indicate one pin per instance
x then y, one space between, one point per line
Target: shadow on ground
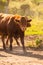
18 51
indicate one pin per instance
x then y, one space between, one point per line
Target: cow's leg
11 40
7 41
17 42
3 39
22 42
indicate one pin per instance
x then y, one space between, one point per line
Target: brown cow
16 29
4 18
13 26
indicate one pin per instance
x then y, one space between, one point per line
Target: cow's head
24 23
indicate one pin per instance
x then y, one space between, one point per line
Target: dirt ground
34 56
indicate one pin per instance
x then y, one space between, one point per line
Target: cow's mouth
23 28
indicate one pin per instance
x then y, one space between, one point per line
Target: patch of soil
33 56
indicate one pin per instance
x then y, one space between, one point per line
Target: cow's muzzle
23 28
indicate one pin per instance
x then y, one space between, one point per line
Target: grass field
36 27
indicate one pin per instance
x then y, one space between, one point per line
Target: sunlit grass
36 28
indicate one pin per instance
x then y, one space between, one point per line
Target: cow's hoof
4 48
19 45
24 51
10 49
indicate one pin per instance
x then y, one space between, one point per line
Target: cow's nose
23 28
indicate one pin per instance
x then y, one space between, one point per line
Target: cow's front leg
11 40
22 42
3 39
17 42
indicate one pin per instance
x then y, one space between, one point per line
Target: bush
38 42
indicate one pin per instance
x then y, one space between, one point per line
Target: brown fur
13 26
16 29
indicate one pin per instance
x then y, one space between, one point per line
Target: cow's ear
29 20
28 24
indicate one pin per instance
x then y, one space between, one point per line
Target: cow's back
4 18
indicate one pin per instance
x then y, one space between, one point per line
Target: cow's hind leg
11 40
3 39
7 41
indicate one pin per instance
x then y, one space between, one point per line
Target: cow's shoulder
17 17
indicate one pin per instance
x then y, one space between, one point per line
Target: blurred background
32 8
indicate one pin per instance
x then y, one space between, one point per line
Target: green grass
36 28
